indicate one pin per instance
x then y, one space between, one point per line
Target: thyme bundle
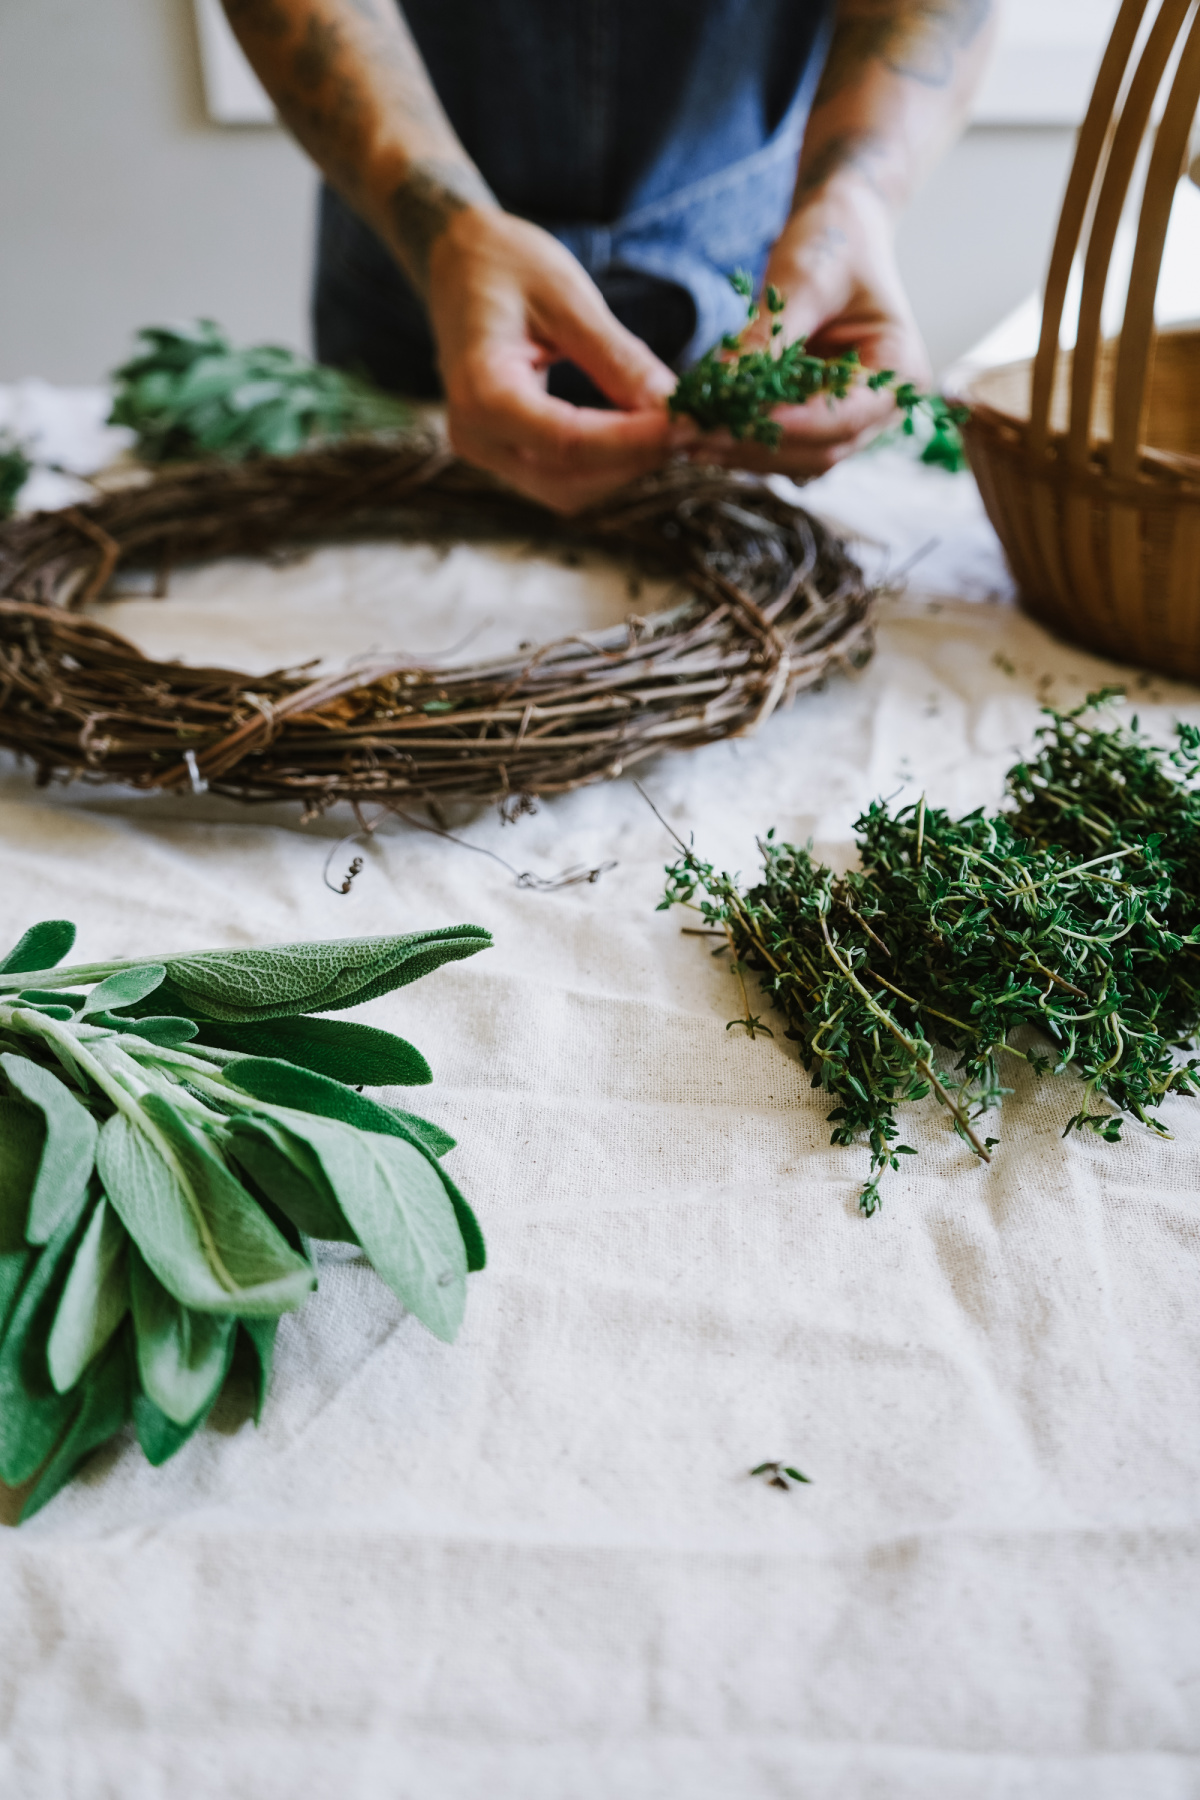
1069 921
191 394
738 392
171 1134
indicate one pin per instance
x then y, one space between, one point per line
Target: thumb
625 369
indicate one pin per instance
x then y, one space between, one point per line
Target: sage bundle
189 393
737 390
1062 932
173 1132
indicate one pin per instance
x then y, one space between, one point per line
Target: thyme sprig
1072 919
737 390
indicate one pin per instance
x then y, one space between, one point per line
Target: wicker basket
1089 460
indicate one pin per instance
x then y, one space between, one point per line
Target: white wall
121 204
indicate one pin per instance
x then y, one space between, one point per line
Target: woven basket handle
1106 156
1137 331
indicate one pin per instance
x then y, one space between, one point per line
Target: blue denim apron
656 139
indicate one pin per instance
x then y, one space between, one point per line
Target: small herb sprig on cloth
191 394
1073 918
739 392
172 1132
15 469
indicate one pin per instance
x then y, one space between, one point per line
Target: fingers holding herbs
769 401
171 1133
506 302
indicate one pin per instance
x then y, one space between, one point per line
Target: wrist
853 196
435 201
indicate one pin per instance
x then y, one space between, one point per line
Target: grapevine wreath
772 604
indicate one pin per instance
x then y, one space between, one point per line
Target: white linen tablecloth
531 1566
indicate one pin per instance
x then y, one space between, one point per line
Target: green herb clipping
172 1131
737 390
1063 932
15 467
191 394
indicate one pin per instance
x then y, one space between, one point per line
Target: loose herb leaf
468 1225
276 983
285 1086
22 1140
290 1175
155 1029
160 1438
14 1268
94 1300
401 1215
125 988
200 1232
41 947
15 469
261 1333
69 1148
359 1055
101 1413
183 1356
33 1415
420 1131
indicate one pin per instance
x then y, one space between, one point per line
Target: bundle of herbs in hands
1069 921
172 1133
737 390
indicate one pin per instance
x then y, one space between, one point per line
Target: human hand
835 264
506 300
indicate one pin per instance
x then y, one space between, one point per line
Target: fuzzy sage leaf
182 1356
69 1146
41 947
94 1300
193 1222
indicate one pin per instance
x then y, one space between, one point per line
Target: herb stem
885 1019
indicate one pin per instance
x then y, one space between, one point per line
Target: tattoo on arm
341 71
859 150
426 200
913 38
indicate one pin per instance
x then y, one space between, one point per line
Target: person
533 206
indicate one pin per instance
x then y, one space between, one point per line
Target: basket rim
1176 470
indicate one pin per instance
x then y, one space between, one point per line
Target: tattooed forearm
895 89
348 79
862 151
915 38
424 203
